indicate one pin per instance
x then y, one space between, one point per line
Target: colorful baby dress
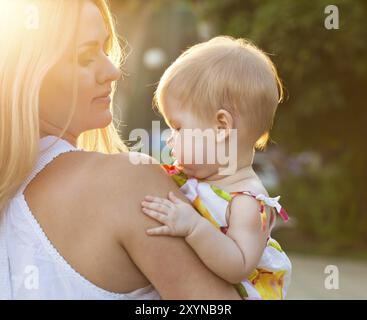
271 278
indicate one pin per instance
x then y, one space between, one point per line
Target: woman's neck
67 136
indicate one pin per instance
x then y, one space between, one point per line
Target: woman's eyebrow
93 43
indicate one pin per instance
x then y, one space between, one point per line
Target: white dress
30 266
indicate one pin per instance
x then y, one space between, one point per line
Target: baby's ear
224 123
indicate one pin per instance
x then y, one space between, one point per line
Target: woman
71 222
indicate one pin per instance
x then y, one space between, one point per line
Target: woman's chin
103 120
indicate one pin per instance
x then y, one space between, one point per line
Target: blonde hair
232 74
26 55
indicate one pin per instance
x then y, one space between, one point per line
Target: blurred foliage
325 76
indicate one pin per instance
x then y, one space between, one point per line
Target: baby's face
192 141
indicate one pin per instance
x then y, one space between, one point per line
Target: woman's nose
118 73
114 73
110 73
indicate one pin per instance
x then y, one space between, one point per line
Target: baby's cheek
178 148
203 152
194 152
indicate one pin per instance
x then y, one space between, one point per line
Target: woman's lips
102 100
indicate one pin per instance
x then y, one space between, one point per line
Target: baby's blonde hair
225 73
28 50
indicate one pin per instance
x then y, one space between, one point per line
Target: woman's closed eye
85 59
88 57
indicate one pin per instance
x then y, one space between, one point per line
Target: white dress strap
50 147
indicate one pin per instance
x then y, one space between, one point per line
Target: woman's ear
224 123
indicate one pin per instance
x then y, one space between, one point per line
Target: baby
230 87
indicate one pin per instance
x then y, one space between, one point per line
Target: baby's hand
178 218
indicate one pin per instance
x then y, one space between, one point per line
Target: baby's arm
235 255
232 256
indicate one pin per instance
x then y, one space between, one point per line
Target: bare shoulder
130 172
244 209
255 186
119 183
102 172
244 213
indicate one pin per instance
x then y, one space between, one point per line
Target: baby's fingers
150 198
159 200
162 218
156 206
163 230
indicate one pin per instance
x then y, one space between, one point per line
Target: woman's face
95 74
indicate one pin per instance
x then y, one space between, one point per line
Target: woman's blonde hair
225 73
34 34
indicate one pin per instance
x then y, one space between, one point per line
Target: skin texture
88 203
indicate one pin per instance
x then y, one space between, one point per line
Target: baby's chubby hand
178 218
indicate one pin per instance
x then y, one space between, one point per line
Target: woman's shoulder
118 183
125 164
115 164
122 173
